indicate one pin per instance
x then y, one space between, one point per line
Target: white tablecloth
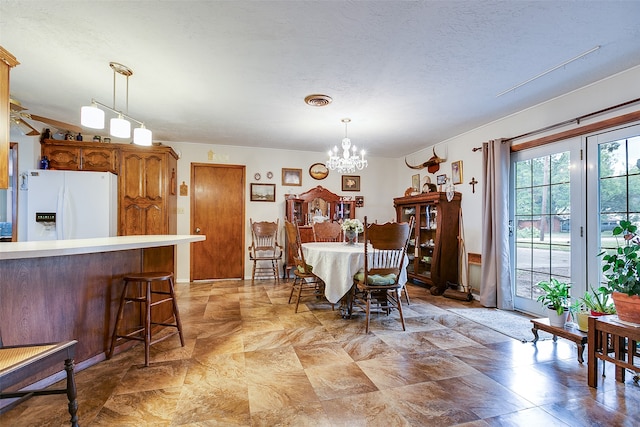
336 263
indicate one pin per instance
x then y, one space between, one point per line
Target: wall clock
318 171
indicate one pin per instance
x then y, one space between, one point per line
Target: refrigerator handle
60 214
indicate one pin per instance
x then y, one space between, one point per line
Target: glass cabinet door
405 215
428 223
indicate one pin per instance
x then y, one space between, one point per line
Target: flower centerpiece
351 228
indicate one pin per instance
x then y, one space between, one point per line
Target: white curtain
495 290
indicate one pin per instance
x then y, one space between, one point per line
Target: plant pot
555 319
627 307
597 313
582 317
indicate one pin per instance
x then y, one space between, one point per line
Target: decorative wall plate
269 175
318 171
257 176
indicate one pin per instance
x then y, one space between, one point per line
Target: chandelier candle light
349 161
93 117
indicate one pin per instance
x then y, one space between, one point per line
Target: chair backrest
327 232
385 246
294 244
264 235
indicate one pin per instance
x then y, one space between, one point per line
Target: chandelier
349 161
93 117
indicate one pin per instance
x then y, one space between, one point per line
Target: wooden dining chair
265 249
305 283
20 363
385 247
327 231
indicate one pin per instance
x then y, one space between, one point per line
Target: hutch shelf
433 248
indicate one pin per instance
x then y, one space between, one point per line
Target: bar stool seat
143 295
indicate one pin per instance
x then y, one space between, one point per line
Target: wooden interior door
217 211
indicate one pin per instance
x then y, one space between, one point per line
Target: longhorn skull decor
432 165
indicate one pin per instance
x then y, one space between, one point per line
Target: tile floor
250 361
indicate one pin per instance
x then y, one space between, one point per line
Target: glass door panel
542 230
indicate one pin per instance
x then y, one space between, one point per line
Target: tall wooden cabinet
147 200
433 248
147 191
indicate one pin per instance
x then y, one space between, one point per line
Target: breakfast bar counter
63 290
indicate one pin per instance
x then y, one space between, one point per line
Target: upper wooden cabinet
147 199
81 156
7 61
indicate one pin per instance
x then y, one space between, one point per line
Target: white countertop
20 250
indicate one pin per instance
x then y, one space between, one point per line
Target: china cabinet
316 204
433 248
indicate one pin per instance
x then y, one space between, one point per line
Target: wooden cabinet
7 61
147 200
433 248
81 156
147 191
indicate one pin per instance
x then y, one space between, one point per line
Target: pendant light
92 116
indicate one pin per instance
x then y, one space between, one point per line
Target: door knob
197 229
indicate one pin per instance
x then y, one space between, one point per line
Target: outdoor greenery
555 296
620 267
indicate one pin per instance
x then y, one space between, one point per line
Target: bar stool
144 297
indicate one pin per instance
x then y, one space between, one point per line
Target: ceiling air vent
318 100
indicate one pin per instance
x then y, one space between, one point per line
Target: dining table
336 263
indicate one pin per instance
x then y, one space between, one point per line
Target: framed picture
441 179
263 192
350 183
359 201
415 182
318 171
291 176
456 172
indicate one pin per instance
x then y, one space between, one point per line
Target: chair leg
300 285
253 272
71 392
400 309
293 288
406 294
368 311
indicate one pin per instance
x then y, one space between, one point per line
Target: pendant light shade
142 136
92 117
120 128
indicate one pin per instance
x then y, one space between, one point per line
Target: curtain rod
566 122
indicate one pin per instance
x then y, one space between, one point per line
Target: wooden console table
607 335
569 332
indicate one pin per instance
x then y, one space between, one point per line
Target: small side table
606 335
569 332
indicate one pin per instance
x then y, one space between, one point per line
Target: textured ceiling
408 74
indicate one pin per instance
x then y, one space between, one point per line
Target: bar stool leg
176 313
147 323
114 337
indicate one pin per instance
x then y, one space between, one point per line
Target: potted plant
620 269
556 299
594 303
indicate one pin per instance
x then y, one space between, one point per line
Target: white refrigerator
71 204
